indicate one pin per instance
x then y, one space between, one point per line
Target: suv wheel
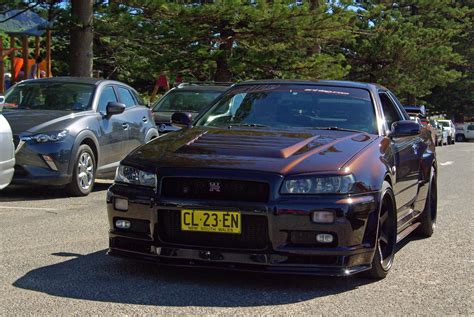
386 236
83 177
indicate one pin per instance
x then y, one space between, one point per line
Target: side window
389 110
470 127
106 96
126 97
402 111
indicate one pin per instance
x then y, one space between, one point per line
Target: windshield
444 123
287 106
191 101
49 96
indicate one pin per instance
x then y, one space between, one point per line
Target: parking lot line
27 208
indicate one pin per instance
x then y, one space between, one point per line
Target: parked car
441 134
318 177
417 113
449 126
469 131
187 97
68 131
464 131
7 152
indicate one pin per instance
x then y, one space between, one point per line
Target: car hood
33 121
275 151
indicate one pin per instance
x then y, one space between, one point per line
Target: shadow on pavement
25 192
98 277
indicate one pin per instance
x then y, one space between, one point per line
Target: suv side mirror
182 119
405 128
114 108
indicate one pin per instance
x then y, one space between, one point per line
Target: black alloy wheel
428 216
386 236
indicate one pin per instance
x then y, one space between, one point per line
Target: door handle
145 119
125 126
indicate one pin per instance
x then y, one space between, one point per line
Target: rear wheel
386 236
83 177
428 216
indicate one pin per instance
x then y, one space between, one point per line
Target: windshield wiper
253 125
336 129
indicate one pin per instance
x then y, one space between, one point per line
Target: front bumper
32 166
355 229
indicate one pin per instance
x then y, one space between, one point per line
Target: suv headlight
132 175
337 184
46 137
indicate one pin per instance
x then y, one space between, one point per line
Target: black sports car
304 177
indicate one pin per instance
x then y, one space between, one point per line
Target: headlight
132 175
339 184
46 137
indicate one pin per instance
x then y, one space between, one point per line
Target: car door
115 131
470 132
136 116
407 157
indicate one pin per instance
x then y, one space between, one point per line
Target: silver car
7 152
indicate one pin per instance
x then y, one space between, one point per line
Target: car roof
78 80
202 87
340 83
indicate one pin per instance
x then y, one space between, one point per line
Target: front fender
84 135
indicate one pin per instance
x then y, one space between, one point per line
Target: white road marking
446 163
27 208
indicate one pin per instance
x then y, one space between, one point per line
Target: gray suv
68 131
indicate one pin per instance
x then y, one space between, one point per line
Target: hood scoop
250 145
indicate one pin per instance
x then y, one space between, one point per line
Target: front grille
254 233
214 189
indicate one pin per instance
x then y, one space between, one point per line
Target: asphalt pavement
52 261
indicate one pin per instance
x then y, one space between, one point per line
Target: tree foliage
421 49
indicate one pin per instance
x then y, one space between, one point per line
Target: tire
428 216
449 140
83 176
386 235
460 138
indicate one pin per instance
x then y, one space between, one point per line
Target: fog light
324 238
323 216
121 204
49 160
122 224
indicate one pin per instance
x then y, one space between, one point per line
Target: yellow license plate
210 221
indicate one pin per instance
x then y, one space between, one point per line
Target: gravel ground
52 261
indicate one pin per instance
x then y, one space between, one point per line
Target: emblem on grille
214 187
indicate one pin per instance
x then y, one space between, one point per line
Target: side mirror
182 119
405 128
114 108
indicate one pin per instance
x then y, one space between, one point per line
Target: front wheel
386 235
83 177
449 140
428 216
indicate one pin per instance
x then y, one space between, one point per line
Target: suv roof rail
204 83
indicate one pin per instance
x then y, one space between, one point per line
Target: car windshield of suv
444 124
289 106
49 96
191 101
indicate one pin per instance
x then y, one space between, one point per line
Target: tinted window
470 127
192 101
50 96
108 95
389 110
286 106
126 97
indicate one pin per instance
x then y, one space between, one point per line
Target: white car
449 125
7 152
